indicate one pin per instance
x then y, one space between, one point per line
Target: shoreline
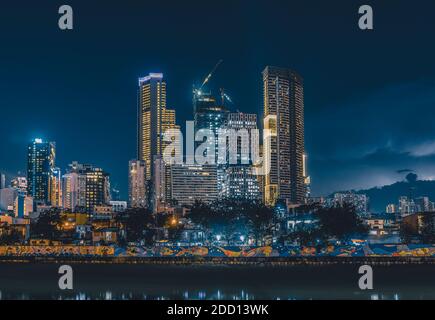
225 261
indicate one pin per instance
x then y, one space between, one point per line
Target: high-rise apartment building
40 164
154 119
284 115
85 186
73 195
137 187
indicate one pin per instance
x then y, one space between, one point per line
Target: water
125 282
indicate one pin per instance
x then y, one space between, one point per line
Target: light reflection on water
186 295
141 282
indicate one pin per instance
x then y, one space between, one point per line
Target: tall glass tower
208 114
40 166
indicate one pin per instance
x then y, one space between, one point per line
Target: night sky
369 95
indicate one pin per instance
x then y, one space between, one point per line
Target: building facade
192 183
284 115
238 181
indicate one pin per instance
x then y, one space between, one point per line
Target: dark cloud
404 171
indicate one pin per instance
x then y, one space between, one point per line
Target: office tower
40 164
137 187
237 181
85 186
20 183
2 180
194 182
284 115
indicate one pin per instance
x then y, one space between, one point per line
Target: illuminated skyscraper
284 114
40 164
154 120
137 184
208 114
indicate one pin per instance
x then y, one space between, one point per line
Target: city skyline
92 118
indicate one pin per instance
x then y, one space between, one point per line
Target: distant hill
380 197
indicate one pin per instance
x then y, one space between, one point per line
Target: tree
260 218
407 233
10 237
411 177
427 232
339 221
229 217
135 221
46 226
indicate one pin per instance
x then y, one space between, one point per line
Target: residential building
284 117
137 187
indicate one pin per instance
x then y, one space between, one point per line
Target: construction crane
226 97
198 91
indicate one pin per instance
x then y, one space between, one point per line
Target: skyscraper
153 121
137 193
208 114
40 164
284 114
